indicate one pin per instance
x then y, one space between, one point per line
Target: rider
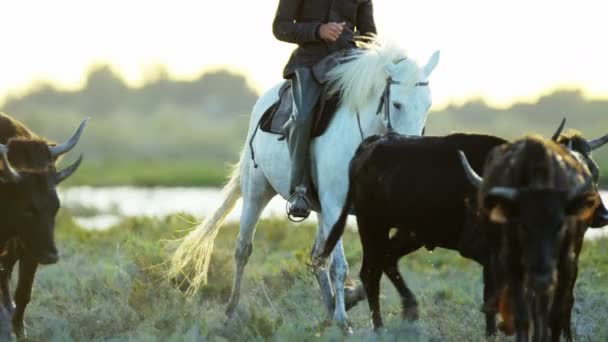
319 27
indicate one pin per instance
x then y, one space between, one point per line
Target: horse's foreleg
322 273
339 271
256 195
332 289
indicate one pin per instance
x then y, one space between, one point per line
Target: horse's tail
192 257
338 228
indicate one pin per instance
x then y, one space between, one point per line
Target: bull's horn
60 176
65 147
599 142
504 192
8 173
559 130
472 176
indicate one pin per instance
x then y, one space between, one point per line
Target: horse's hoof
348 330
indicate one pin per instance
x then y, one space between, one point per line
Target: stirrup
298 214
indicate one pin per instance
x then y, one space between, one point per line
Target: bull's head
539 218
28 196
582 149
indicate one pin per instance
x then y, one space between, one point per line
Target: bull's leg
542 306
556 319
521 314
563 299
27 271
490 304
374 240
7 262
409 305
256 195
566 326
399 248
371 272
563 302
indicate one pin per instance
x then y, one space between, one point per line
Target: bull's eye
397 105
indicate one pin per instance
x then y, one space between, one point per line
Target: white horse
362 81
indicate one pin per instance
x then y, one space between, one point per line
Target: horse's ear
431 64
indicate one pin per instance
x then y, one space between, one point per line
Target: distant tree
104 90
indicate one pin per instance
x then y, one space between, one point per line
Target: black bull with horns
28 206
424 195
534 203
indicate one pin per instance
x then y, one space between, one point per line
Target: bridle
385 101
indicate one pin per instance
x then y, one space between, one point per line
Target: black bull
534 203
417 185
28 205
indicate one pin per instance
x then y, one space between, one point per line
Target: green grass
109 286
150 173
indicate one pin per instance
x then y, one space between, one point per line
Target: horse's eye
397 105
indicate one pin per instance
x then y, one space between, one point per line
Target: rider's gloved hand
330 32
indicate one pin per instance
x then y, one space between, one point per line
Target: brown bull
28 206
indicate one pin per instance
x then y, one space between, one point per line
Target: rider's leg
306 92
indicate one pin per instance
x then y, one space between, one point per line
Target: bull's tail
338 228
190 261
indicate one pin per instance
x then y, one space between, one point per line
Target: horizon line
145 80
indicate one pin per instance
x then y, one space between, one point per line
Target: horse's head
388 90
406 98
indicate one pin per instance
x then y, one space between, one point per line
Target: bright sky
499 50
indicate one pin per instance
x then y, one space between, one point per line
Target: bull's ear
498 214
583 206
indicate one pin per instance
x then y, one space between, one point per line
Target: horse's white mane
364 73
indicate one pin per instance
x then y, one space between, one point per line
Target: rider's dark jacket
298 21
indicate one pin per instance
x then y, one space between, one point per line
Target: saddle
275 117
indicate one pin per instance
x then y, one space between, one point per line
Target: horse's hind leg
257 192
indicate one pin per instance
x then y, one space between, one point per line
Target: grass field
109 286
148 173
